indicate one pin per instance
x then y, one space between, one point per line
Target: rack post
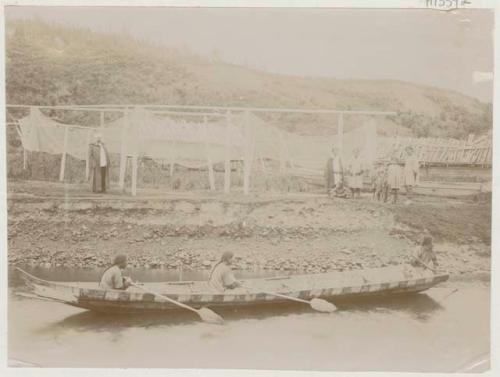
247 154
25 152
211 178
227 161
25 159
87 162
134 174
136 126
63 157
123 151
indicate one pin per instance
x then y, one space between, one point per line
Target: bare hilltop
58 65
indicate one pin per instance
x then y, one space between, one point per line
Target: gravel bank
308 235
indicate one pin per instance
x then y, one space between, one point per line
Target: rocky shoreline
472 259
313 235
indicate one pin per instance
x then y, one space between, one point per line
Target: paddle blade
209 316
322 305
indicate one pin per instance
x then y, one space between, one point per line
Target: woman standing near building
394 178
411 170
356 168
334 171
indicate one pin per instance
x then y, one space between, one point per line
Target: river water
426 332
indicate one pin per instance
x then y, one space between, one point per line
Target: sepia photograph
297 189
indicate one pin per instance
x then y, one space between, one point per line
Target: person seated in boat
221 276
425 255
112 278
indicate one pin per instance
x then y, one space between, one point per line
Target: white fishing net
195 143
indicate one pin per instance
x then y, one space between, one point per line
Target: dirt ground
56 225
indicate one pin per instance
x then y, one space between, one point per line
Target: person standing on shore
334 171
356 168
112 277
380 183
98 165
221 276
411 170
394 178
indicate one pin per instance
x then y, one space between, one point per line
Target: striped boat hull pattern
137 300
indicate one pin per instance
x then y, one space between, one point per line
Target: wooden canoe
330 286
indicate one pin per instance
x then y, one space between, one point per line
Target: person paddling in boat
424 255
112 277
221 276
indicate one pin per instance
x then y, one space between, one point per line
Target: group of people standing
390 177
344 181
340 181
387 178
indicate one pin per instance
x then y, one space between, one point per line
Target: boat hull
198 294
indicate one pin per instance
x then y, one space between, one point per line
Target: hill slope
50 64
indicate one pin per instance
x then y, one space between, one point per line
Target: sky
442 49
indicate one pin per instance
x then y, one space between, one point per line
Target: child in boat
221 276
424 255
112 277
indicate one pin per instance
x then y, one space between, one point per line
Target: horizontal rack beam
119 108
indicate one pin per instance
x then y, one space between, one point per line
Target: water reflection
418 332
418 306
102 322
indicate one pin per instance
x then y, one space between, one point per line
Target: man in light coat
98 165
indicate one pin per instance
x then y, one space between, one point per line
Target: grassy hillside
56 65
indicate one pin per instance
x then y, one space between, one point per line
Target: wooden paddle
316 303
425 265
435 271
447 295
205 314
29 295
